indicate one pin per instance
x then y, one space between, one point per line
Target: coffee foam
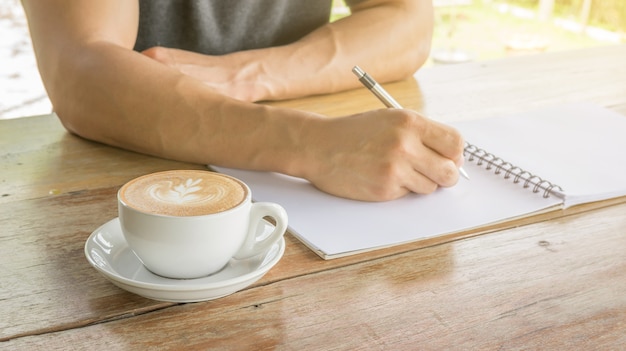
183 193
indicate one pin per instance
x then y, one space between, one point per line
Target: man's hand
383 155
231 75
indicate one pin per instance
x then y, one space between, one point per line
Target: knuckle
455 142
388 173
386 184
398 149
157 53
406 119
458 142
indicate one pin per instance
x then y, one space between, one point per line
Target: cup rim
247 199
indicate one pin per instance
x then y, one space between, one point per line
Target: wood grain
491 88
551 285
39 158
555 281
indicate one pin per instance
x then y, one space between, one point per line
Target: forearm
121 98
104 91
391 41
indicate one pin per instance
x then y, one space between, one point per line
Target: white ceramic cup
193 246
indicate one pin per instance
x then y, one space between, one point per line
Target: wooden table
559 284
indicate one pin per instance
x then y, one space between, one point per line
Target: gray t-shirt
218 27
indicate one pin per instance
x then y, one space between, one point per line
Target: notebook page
581 147
336 226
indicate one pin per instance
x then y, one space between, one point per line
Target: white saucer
107 250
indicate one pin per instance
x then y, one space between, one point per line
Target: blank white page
581 147
337 226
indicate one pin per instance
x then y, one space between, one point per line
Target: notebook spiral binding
491 161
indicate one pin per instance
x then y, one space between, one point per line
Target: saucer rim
117 278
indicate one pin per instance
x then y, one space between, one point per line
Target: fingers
418 183
397 179
444 140
161 54
379 186
434 150
382 155
438 169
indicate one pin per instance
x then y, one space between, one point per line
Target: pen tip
464 174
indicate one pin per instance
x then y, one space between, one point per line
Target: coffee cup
188 224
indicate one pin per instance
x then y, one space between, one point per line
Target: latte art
190 191
183 193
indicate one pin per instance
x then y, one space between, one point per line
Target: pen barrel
375 88
383 96
367 81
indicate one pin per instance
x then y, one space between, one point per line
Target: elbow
67 111
70 87
69 122
59 93
61 106
421 20
418 54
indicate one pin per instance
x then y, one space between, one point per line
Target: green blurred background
470 30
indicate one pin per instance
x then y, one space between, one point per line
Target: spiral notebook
520 165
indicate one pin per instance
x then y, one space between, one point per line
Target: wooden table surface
557 284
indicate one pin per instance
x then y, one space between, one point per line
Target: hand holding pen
383 96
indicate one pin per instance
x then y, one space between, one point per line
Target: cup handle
252 246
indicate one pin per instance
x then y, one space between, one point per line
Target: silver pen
384 96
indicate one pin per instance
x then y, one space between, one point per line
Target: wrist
283 141
256 74
304 146
309 155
